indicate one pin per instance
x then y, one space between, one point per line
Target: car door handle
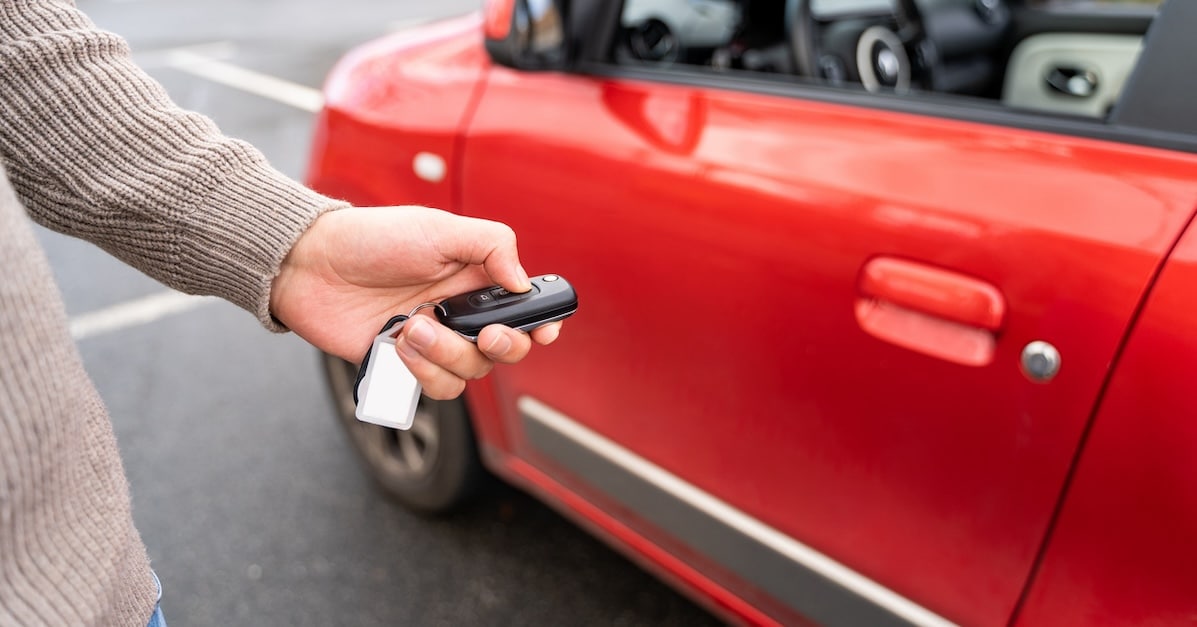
1072 81
937 312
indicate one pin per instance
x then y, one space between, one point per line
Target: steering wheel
885 58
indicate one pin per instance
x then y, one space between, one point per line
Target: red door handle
934 311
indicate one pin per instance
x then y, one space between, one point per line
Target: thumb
504 268
495 248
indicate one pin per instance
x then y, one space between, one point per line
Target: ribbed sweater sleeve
96 149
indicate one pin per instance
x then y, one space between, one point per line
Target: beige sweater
94 148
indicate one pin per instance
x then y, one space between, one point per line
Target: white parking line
135 313
277 89
158 57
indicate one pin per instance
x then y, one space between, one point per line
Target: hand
355 268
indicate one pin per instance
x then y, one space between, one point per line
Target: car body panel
675 210
1123 551
722 244
392 101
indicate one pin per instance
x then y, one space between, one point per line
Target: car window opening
1060 57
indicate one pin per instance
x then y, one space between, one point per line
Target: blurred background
245 489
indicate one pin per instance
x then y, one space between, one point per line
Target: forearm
96 149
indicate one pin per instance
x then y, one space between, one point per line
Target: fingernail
525 282
420 333
499 346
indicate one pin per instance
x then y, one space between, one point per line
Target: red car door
798 364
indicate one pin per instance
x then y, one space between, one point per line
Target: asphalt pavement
248 495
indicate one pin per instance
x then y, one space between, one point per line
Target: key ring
417 309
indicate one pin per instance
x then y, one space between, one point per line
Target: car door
813 354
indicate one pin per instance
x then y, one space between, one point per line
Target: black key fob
551 298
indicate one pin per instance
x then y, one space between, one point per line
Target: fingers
547 334
499 256
504 344
443 361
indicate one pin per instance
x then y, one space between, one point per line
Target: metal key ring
417 309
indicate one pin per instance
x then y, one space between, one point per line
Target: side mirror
526 34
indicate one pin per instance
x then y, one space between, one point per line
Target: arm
96 149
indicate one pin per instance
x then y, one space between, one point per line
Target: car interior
1066 57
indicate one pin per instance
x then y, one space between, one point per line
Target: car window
993 50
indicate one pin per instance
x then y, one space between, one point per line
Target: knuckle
503 234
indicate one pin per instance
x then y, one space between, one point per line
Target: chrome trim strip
801 555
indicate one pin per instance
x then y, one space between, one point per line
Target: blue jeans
157 620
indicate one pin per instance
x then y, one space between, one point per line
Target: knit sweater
92 147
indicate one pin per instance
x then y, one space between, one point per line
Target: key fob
386 392
551 298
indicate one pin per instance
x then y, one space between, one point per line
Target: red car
887 306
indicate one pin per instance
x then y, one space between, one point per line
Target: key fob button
485 299
468 314
502 295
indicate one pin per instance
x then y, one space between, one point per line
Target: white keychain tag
387 393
